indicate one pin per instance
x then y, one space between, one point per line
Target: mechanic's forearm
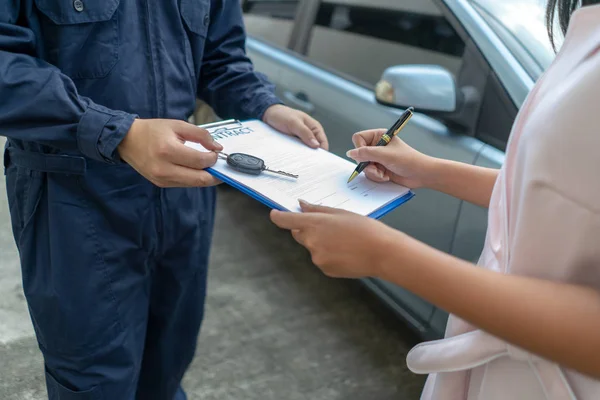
40 104
45 108
235 90
466 182
557 321
228 81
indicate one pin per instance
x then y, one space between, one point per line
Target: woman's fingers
367 138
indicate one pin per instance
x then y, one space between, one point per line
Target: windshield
520 24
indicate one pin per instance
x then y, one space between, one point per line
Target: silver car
466 67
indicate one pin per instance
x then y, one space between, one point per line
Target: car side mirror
425 87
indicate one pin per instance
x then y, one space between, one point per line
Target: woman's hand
342 244
396 162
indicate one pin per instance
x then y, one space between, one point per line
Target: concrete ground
275 327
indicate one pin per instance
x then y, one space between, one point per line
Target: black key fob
246 163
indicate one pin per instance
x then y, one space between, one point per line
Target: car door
347 49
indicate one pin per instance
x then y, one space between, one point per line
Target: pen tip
354 174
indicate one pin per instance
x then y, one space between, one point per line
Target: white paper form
322 175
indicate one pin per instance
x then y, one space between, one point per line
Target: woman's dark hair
563 9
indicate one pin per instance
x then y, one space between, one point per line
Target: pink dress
544 221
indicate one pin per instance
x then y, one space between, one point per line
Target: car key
249 164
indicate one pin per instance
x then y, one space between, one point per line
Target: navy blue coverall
114 268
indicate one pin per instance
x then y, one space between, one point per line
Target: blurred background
276 328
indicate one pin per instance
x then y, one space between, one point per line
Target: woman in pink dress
525 323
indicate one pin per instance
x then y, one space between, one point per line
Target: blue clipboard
377 214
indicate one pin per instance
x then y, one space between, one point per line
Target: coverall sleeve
40 104
228 81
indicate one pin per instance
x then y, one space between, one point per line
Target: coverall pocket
196 14
24 189
58 391
81 36
68 286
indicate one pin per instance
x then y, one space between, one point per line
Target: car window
362 41
270 20
521 25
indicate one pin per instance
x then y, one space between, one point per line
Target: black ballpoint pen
385 139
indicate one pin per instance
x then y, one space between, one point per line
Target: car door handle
300 101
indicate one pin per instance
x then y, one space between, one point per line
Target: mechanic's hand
155 148
396 162
296 123
342 244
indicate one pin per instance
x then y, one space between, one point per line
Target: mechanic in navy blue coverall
111 213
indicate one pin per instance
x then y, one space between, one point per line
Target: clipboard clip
229 123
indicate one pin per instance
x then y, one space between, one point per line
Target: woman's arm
557 321
466 182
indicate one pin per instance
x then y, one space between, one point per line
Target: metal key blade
282 173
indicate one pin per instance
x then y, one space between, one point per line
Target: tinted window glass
363 41
269 20
496 116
